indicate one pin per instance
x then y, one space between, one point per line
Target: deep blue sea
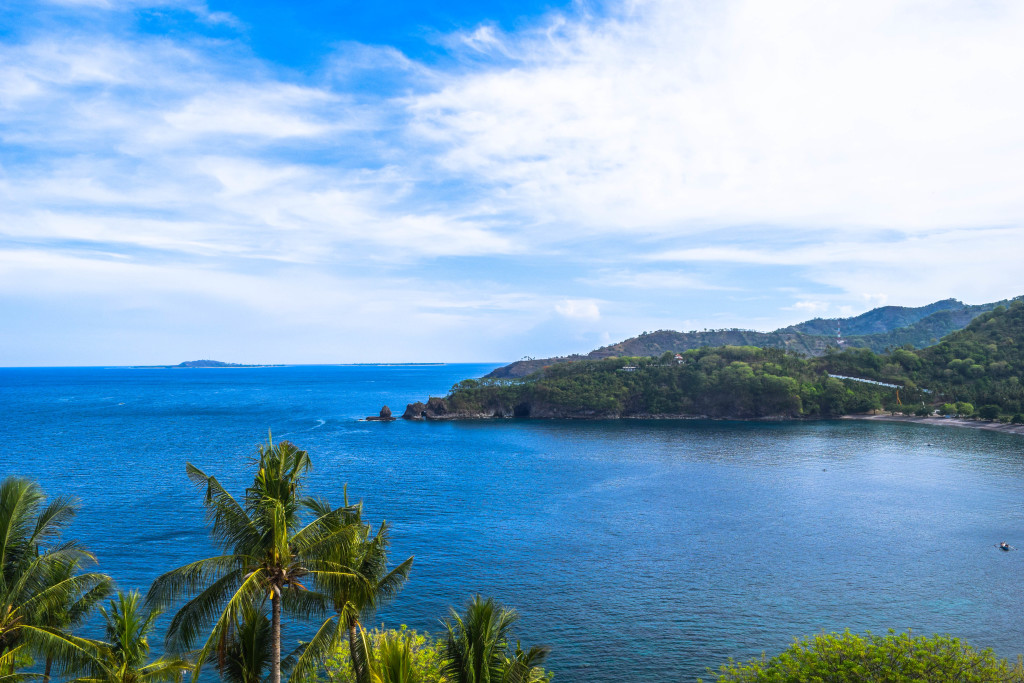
638 550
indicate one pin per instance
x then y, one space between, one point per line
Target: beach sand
945 422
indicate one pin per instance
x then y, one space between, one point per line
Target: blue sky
449 181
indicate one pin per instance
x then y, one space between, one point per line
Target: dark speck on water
659 548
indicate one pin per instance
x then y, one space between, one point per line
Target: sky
344 182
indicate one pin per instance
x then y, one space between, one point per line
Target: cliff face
440 409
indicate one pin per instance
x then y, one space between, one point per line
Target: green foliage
894 658
964 409
980 365
418 654
362 584
269 551
246 655
729 381
41 589
124 656
988 412
877 330
477 648
271 548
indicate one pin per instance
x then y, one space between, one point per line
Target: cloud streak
774 158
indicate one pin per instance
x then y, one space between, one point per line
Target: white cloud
277 111
885 114
811 307
815 154
581 309
650 280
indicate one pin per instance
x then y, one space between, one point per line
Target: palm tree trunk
275 636
358 660
46 670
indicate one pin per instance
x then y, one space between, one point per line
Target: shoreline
1016 429
945 422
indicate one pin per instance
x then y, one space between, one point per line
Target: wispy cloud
672 117
809 154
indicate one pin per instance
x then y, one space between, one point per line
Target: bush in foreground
425 655
895 658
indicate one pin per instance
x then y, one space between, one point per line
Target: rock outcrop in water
384 416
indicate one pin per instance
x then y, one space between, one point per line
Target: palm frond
391 583
197 613
52 520
190 578
164 669
304 604
324 641
232 527
101 588
252 589
70 652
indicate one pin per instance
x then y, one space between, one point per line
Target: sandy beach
945 422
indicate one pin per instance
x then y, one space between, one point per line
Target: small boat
1004 546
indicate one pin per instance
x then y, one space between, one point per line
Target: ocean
637 550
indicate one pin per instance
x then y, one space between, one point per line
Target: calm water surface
656 548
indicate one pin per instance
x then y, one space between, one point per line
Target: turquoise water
638 550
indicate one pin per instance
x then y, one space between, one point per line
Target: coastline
945 422
418 412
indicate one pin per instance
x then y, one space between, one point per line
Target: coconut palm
388 658
268 554
364 554
477 647
525 666
123 658
38 579
246 657
71 614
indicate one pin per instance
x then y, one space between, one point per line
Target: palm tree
38 579
246 656
388 659
525 666
71 614
267 554
365 555
123 657
477 646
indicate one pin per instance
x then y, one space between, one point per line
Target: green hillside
877 320
878 329
977 368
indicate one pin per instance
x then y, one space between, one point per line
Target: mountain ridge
877 329
977 370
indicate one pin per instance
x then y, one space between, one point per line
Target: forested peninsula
973 371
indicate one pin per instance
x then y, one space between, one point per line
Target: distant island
217 364
976 371
205 363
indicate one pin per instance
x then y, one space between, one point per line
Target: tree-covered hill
880 320
878 329
982 364
979 367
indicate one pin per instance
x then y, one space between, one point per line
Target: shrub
989 412
849 658
427 656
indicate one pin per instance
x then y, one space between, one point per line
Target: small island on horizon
212 364
206 363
